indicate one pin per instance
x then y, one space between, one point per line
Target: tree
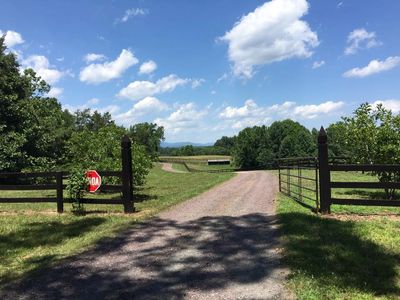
296 139
252 148
102 151
149 135
338 143
226 142
374 136
187 150
31 124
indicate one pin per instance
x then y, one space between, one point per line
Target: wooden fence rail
324 166
325 169
126 188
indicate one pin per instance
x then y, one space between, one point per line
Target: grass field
354 254
179 167
33 236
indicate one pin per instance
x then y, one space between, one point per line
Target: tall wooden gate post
59 184
324 173
127 176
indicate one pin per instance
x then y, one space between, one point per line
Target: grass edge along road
35 239
350 255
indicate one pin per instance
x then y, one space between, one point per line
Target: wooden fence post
59 183
127 176
324 173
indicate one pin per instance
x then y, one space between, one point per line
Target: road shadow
336 257
163 259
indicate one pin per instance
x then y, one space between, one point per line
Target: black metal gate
298 179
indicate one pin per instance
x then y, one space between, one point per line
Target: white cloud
251 114
222 78
185 117
98 73
391 104
272 33
55 92
313 111
140 89
359 39
318 64
147 67
41 65
12 38
112 109
197 82
93 101
60 59
147 105
374 67
91 57
132 12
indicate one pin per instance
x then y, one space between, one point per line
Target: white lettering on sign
94 180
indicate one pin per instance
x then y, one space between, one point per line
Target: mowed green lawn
353 255
33 236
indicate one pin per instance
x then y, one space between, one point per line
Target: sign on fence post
127 177
94 180
324 173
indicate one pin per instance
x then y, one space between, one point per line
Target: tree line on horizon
371 135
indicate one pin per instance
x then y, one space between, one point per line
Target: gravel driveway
168 167
222 244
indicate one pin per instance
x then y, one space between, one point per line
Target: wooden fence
326 184
292 180
57 185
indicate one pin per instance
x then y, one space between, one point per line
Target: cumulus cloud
222 77
55 92
91 57
374 67
271 33
145 106
312 111
93 101
391 104
98 73
140 89
147 67
359 39
132 12
318 64
12 38
197 82
41 65
251 114
186 116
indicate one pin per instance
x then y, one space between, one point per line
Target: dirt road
222 244
168 167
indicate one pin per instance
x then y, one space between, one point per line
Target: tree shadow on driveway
165 259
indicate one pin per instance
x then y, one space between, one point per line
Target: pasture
351 254
34 236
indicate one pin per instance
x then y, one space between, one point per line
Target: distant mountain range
181 144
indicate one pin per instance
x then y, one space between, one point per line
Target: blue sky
204 69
